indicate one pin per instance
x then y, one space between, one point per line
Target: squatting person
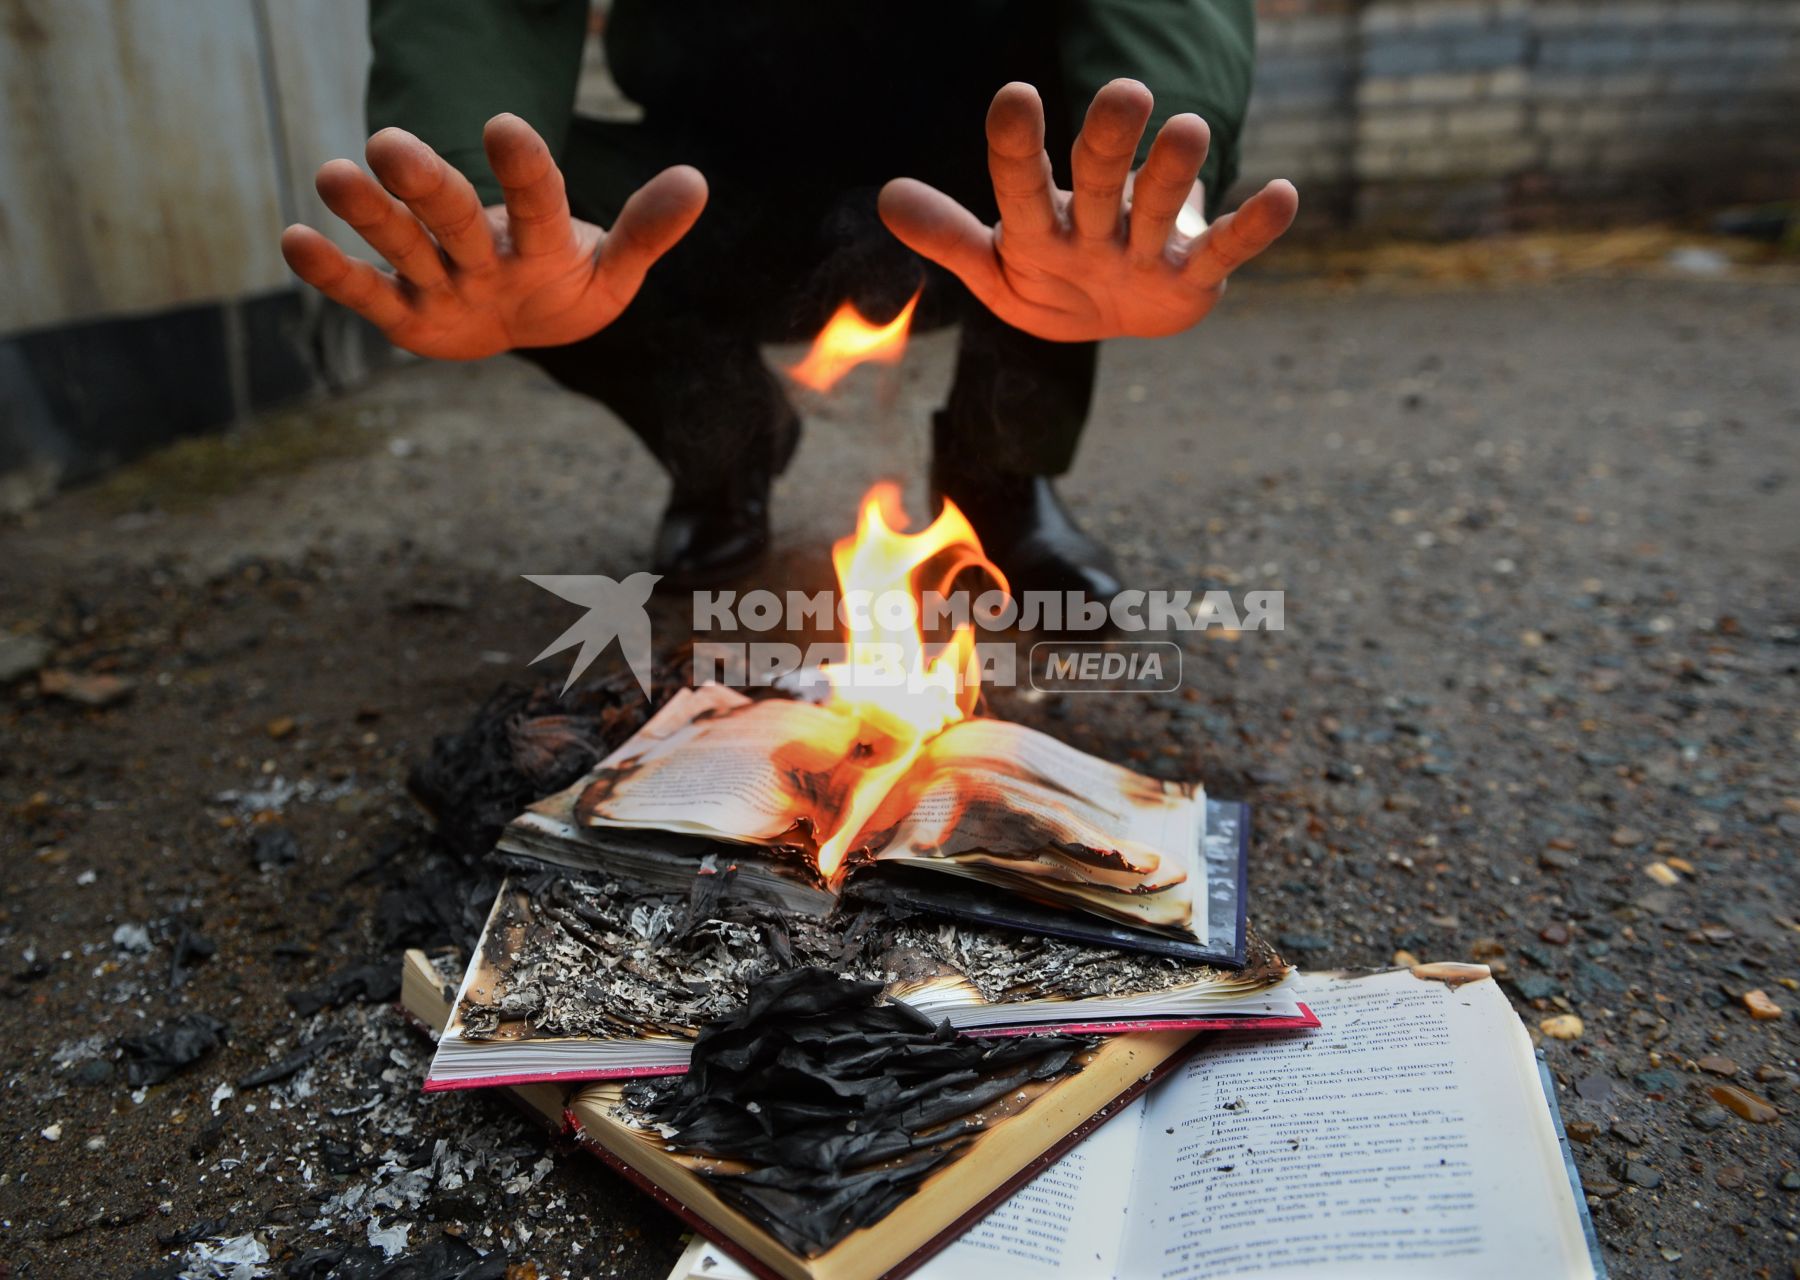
820 129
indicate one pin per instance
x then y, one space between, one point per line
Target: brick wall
1457 116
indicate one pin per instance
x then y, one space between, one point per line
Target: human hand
474 281
1123 255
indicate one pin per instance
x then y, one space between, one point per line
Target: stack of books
1231 1117
1413 1135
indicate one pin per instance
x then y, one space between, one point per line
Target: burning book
985 799
718 782
581 981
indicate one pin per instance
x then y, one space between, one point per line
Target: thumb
934 226
658 214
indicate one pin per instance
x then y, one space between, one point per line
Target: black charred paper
155 1056
838 1104
376 982
525 743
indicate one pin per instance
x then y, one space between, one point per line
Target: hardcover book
569 982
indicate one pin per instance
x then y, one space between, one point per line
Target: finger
934 226
372 294
1103 154
1239 236
382 221
442 197
658 214
1166 181
1017 163
1190 222
537 207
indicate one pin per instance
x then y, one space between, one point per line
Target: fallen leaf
88 691
1761 1007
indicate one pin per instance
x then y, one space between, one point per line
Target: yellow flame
890 680
848 340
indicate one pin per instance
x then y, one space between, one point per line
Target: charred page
985 799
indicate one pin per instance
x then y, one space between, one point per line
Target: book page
1064 1222
1406 1138
718 763
1041 778
993 794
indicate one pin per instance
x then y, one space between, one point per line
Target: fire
900 690
848 340
888 677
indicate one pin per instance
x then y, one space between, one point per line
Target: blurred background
150 154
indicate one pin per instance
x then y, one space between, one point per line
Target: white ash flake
70 1052
391 1240
274 795
134 939
237 1258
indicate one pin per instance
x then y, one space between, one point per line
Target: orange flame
890 680
848 340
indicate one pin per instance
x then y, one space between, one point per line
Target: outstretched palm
471 282
1123 255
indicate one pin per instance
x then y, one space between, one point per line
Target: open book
1014 811
497 1032
1410 1139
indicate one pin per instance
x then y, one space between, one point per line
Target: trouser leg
1017 404
681 365
702 400
1013 419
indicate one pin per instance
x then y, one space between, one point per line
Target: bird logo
615 611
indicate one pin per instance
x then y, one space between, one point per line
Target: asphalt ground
1533 703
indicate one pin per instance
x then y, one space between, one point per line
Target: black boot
713 530
1026 531
709 537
